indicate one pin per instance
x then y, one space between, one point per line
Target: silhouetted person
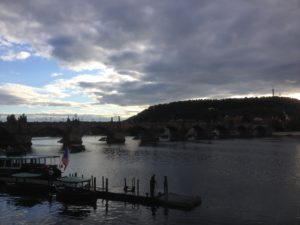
152 186
166 189
50 176
57 172
153 210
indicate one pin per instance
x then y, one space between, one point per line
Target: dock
167 200
170 200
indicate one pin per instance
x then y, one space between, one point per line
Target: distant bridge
20 134
184 130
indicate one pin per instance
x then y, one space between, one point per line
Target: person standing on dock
152 185
50 176
166 189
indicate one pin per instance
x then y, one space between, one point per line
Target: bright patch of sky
34 71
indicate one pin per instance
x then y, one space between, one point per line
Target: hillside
208 110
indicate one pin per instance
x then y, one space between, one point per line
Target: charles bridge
19 134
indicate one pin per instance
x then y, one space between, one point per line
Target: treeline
12 118
281 108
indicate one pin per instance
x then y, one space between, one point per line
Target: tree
11 118
22 118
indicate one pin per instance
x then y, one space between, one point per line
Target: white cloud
18 94
102 80
81 66
12 56
55 93
56 74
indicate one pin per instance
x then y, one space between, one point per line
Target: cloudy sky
109 57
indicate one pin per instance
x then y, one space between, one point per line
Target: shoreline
286 134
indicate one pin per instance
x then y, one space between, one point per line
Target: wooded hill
214 110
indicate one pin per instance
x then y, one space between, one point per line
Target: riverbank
286 134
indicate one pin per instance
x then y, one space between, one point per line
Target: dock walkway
170 200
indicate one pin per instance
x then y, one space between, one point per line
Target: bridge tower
73 135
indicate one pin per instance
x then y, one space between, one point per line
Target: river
251 181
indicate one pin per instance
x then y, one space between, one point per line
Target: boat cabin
24 184
75 190
75 182
33 164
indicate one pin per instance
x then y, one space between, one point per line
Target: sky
115 58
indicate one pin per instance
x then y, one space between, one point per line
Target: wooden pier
168 200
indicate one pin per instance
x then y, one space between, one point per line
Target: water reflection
26 201
113 152
76 211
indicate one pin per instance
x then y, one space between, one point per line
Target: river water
254 181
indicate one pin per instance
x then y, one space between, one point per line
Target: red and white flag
65 158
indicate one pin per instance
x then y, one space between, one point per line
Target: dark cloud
8 99
61 104
178 50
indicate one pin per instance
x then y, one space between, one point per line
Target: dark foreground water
240 181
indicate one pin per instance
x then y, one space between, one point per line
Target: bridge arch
243 131
196 132
96 130
220 131
165 133
202 133
260 131
51 131
177 133
137 131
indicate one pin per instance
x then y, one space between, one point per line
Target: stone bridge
19 134
71 132
194 130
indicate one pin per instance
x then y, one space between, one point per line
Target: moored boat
27 183
38 164
75 190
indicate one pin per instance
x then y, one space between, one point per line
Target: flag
65 158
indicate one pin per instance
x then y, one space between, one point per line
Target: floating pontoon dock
170 200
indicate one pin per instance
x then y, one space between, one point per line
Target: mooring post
95 184
103 182
92 179
106 184
138 186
